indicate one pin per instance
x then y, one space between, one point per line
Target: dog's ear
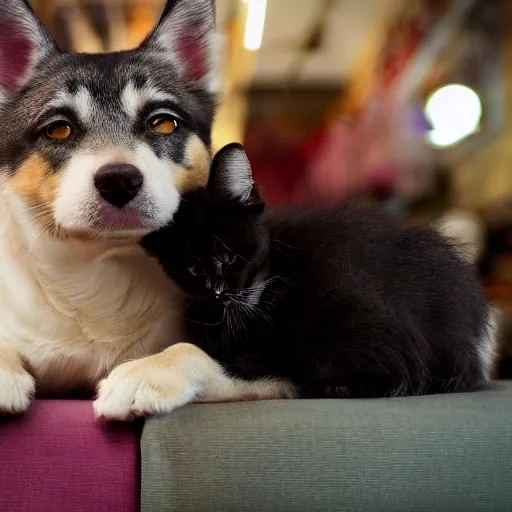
231 180
186 33
24 43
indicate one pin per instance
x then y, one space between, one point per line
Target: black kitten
341 302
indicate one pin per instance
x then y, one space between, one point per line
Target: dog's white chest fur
75 309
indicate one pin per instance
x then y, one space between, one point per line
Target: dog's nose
118 184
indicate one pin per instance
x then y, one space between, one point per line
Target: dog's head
105 145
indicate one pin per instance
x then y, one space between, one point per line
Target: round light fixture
454 111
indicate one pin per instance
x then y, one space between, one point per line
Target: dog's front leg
181 374
17 386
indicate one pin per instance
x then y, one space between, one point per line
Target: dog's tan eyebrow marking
194 173
134 98
79 101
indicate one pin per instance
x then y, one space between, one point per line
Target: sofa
433 453
57 457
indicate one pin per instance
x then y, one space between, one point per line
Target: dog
96 152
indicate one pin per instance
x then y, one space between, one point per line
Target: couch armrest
436 453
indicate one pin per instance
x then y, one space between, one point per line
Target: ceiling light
454 112
255 23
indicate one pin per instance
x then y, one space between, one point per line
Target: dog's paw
141 388
16 390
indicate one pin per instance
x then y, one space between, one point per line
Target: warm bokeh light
454 112
255 24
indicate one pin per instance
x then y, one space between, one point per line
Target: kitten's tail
467 231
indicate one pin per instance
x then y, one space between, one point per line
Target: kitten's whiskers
205 323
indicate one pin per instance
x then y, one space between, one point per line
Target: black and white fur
340 302
78 296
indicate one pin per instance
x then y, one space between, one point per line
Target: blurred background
407 103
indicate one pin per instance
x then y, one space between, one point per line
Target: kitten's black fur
342 302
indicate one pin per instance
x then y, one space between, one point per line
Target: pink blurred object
384 149
331 176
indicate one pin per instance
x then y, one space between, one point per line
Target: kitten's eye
164 124
228 259
59 130
223 262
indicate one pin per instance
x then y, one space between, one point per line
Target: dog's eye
164 124
60 130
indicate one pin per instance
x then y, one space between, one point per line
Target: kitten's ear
24 43
186 34
231 177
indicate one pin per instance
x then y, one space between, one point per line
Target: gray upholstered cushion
437 453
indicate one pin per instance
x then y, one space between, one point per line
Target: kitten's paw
141 388
16 390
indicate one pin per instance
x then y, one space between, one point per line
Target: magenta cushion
58 457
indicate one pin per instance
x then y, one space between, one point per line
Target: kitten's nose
220 295
218 287
118 184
